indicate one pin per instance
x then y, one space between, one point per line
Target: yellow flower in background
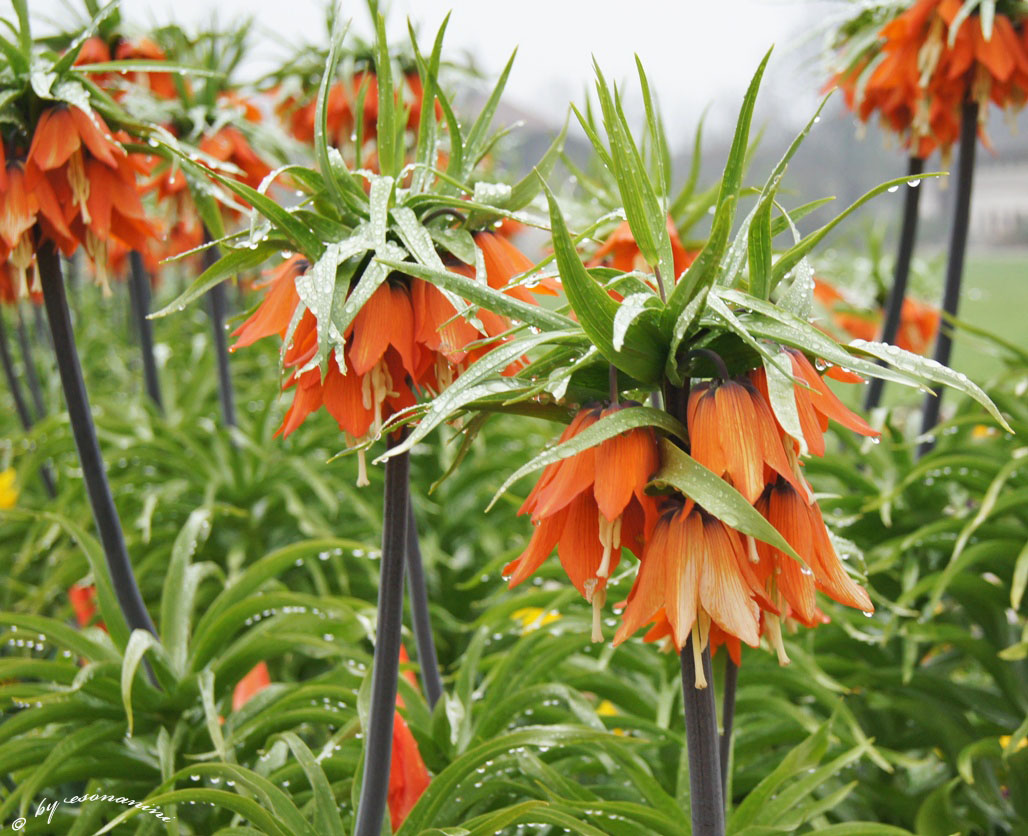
8 492
532 618
1005 739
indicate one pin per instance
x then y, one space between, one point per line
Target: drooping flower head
407 339
621 251
694 570
918 326
733 432
590 506
926 62
816 404
789 585
77 186
408 775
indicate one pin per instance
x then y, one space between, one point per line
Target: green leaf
344 190
643 355
230 264
791 257
646 217
803 757
623 420
681 202
631 308
296 230
704 269
426 144
247 808
478 137
773 323
139 642
210 711
862 828
141 65
1020 578
790 799
479 293
110 610
390 153
63 636
65 62
444 785
936 816
929 369
781 389
180 587
528 186
21 9
326 813
760 250
1017 459
655 125
249 582
470 381
687 476
80 739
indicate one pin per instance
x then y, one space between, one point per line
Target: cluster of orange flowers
227 145
341 121
408 337
919 322
697 576
621 251
922 80
76 185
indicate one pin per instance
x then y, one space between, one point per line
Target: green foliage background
249 548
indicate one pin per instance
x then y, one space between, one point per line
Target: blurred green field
995 298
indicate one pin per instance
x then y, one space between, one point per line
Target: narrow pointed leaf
687 476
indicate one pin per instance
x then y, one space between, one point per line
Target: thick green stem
139 294
20 405
898 292
35 390
105 514
955 259
701 737
217 305
705 793
421 619
378 736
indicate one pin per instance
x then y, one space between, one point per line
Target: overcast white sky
695 53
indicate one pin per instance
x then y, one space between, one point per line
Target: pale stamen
96 247
20 259
79 184
376 386
362 469
697 657
774 631
610 539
